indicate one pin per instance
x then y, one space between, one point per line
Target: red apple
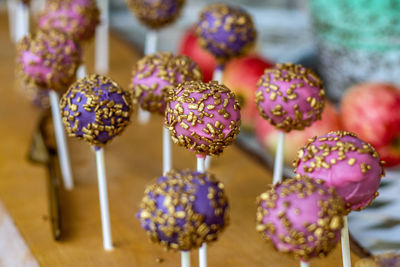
241 76
189 46
372 111
268 135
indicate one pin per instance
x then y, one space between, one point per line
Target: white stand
203 249
11 6
185 258
278 164
304 264
62 147
105 215
345 244
22 21
167 155
102 39
81 72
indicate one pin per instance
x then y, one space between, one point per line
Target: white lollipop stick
167 155
278 164
203 248
22 21
304 264
102 39
345 244
11 6
103 196
150 47
185 259
62 147
81 72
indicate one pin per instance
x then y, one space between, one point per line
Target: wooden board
133 161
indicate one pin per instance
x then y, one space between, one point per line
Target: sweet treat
225 31
155 74
301 216
204 117
344 162
184 209
96 109
77 18
48 60
156 13
290 97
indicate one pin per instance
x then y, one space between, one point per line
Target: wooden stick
62 148
102 39
167 154
203 248
304 263
11 6
185 258
345 244
278 163
103 196
21 21
81 72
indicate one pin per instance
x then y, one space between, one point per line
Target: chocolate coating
96 109
344 162
184 209
48 60
301 217
155 74
204 117
225 31
290 97
77 18
156 13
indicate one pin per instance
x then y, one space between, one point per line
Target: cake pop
96 109
184 209
301 216
204 117
48 60
225 31
155 74
156 13
77 18
290 97
345 162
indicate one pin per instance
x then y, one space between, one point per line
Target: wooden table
133 160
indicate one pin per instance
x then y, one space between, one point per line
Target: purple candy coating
48 60
184 209
77 18
96 109
301 217
204 117
225 31
290 97
156 13
345 162
155 74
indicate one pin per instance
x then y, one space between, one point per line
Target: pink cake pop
48 60
77 18
301 217
345 162
290 97
155 74
204 117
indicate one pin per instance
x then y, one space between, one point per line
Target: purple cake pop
301 217
345 162
225 31
184 209
48 60
155 74
204 117
290 97
96 109
156 13
77 18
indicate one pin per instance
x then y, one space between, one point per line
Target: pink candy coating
155 74
290 97
48 60
77 18
345 162
301 217
204 117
